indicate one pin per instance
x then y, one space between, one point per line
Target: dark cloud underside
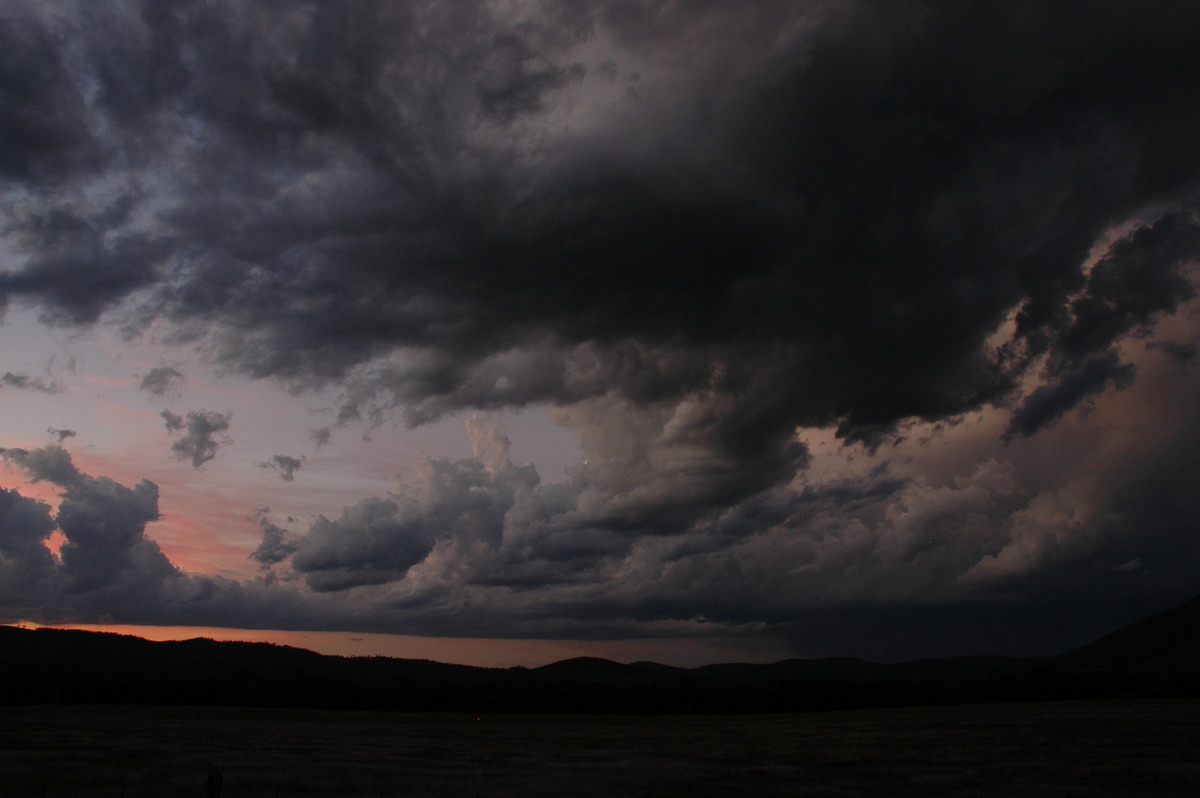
689 229
871 187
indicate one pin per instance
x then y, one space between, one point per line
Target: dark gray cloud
286 465
482 546
277 543
849 195
203 433
44 114
1180 351
371 543
1137 279
106 550
25 562
108 568
50 464
686 228
24 382
1049 402
162 381
320 436
60 435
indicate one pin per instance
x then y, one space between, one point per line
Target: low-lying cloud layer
698 234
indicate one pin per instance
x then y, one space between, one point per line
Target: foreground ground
1059 749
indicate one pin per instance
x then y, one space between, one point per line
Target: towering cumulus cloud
705 237
106 566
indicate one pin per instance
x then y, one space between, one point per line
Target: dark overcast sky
872 323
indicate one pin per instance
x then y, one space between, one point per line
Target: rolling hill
1154 657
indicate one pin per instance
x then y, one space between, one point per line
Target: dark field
1060 749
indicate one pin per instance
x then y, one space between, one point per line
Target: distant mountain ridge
1165 639
1154 657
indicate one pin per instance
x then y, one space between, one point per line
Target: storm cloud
107 567
852 194
698 235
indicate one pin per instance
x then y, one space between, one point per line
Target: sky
501 331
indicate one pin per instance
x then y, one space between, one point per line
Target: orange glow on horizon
480 652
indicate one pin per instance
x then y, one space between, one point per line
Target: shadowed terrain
1108 748
95 715
1156 657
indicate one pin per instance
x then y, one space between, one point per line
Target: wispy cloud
286 465
24 382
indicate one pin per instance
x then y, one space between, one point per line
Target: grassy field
1058 749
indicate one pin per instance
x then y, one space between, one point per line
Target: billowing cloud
277 543
1049 402
25 562
106 554
699 235
482 543
483 546
50 464
713 222
108 568
162 381
203 432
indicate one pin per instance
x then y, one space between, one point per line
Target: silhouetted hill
597 670
1165 639
1154 657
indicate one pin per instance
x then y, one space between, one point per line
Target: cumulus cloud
203 432
25 562
711 222
277 543
692 231
482 541
162 381
108 567
50 464
106 550
483 546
